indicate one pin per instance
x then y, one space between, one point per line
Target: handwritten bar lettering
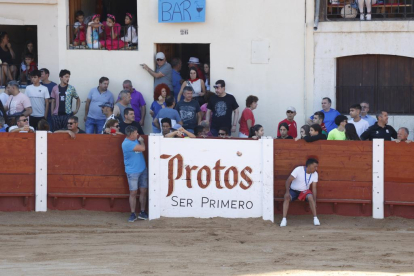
175 11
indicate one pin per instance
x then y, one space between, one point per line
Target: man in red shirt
293 128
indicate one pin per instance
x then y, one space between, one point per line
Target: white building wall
230 28
339 39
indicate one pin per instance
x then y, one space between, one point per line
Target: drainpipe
317 11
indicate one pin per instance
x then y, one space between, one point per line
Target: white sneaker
316 221
283 223
362 17
368 17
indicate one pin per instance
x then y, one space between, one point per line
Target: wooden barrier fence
17 171
88 173
345 175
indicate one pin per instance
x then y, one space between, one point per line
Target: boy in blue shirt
136 171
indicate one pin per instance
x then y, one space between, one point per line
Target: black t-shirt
309 138
188 113
377 132
62 100
289 137
123 125
6 56
222 109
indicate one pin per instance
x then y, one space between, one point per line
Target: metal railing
126 38
348 10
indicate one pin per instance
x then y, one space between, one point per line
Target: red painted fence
345 175
17 171
88 173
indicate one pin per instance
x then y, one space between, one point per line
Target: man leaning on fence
22 125
380 130
136 171
72 127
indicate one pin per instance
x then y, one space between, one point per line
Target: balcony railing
124 40
348 10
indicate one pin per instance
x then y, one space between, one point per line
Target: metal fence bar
348 10
105 42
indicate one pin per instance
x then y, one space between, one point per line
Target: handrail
126 40
348 10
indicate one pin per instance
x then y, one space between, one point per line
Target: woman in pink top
247 118
112 32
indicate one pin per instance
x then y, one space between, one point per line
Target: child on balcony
131 34
80 36
93 31
112 32
30 67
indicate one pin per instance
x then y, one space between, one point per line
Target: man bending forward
298 187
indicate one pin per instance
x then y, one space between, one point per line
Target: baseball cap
194 60
107 104
160 55
291 108
13 83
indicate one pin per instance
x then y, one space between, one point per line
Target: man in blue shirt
94 118
330 114
168 112
177 80
136 171
364 114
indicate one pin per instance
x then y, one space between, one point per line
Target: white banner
206 178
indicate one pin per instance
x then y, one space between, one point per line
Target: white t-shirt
3 98
360 126
196 87
14 127
299 183
37 96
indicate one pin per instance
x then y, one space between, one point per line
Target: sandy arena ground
98 243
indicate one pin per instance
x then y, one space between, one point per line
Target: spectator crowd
181 107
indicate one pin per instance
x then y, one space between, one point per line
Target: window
348 10
18 36
100 38
386 82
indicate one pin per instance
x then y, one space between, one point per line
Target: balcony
124 41
347 10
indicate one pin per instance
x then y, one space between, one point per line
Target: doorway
184 52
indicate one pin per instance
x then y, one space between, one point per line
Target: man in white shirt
297 187
39 98
360 124
4 96
22 125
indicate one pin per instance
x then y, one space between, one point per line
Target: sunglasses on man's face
221 134
290 111
159 59
25 120
69 123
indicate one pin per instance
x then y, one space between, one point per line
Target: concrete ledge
365 26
